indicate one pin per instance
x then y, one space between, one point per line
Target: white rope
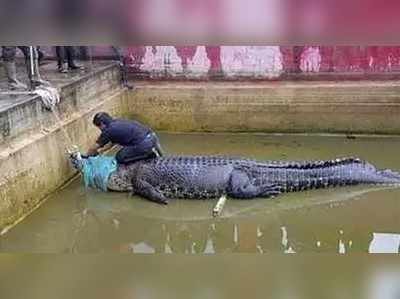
16 93
50 98
49 95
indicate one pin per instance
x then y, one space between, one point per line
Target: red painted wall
327 59
267 62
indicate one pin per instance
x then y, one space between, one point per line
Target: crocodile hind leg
146 190
241 187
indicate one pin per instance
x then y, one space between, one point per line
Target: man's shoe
75 66
11 73
40 82
40 57
17 86
63 69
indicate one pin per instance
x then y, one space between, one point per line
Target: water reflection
117 233
225 276
385 243
384 282
115 226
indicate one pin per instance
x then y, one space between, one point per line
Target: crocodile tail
388 176
307 165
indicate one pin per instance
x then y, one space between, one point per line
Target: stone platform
22 112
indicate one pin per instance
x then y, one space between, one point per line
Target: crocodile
207 177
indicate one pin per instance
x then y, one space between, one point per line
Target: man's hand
93 151
96 149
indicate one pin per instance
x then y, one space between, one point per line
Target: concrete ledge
33 153
320 107
23 114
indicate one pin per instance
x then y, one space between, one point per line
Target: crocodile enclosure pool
61 240
336 220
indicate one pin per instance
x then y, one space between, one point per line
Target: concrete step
20 115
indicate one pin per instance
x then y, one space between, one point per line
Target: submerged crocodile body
203 177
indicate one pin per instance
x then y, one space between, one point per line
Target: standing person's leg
120 57
32 65
28 66
86 57
84 53
9 53
61 59
40 55
59 56
118 53
70 57
70 53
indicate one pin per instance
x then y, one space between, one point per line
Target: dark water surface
341 220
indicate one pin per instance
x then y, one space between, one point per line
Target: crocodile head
76 160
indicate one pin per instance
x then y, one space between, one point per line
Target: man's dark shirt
123 132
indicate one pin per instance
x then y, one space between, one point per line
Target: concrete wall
336 107
33 164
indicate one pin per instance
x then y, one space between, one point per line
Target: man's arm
93 150
96 149
103 143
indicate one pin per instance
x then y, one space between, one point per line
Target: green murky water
345 220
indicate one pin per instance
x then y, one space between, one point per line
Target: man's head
102 120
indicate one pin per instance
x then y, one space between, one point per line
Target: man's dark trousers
142 150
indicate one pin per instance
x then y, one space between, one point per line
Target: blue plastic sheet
97 170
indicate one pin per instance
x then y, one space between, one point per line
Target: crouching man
138 141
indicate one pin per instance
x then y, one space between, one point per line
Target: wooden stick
219 206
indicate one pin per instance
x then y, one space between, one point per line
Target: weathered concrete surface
23 114
33 152
329 107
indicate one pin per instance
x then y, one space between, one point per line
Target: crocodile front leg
147 191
